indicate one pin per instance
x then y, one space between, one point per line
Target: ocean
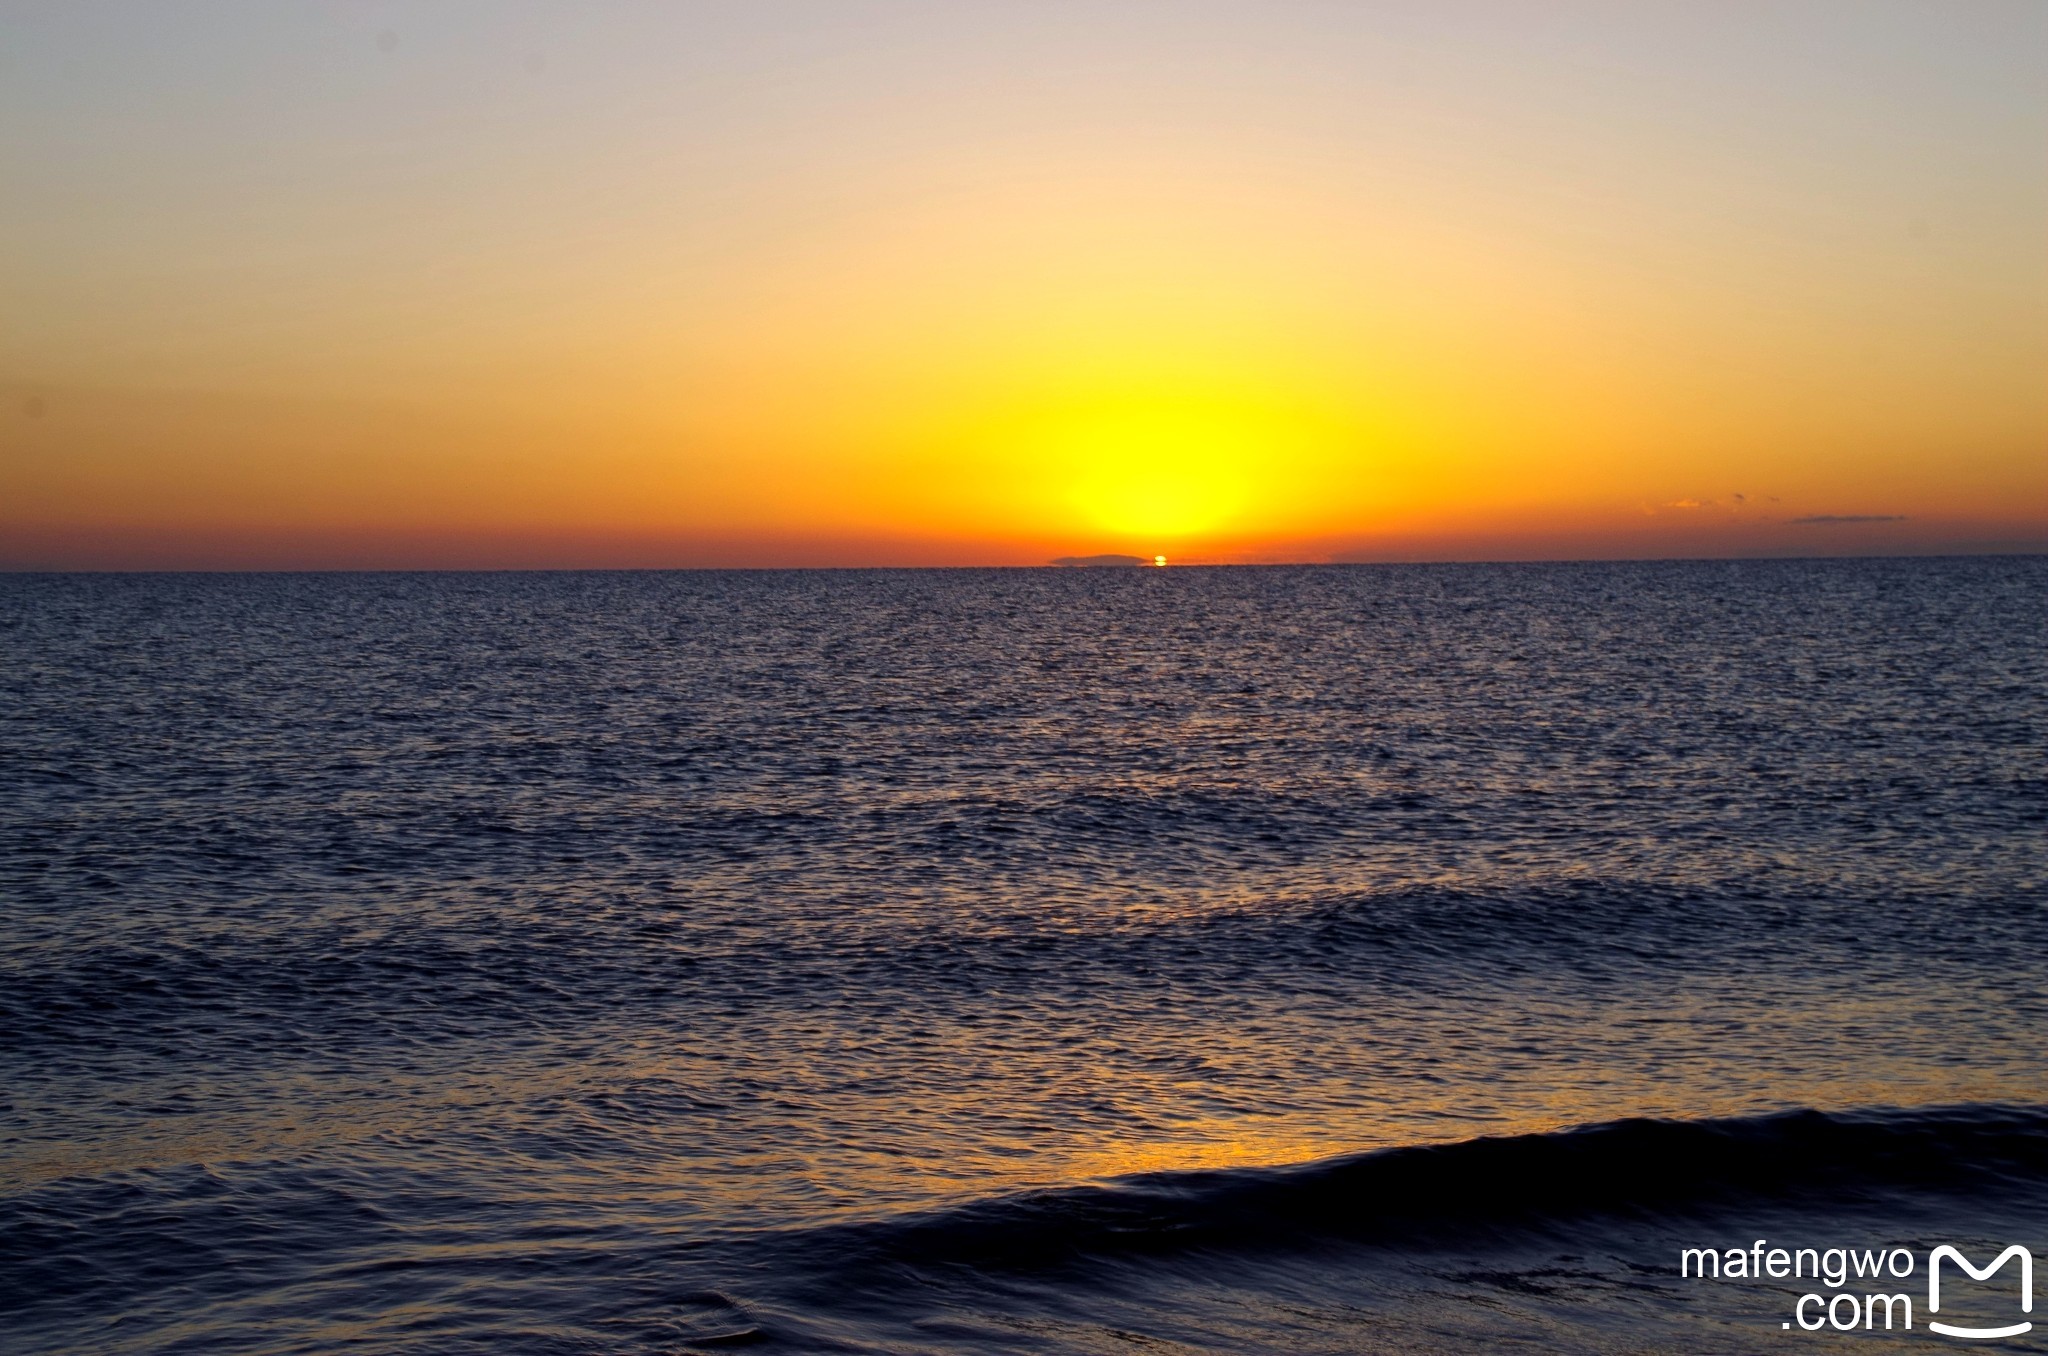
1320 959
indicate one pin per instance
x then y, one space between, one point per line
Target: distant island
1091 562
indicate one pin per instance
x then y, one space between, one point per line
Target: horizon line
1147 568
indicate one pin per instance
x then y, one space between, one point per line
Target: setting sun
1164 477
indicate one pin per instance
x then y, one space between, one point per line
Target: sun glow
1158 469
1164 493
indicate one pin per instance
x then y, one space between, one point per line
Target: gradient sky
842 283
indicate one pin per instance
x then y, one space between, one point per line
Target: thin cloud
1832 519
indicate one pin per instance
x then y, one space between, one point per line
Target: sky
507 284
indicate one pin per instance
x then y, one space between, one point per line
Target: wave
1452 1193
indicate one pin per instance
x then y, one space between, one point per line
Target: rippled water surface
644 962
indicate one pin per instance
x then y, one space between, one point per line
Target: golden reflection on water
931 1146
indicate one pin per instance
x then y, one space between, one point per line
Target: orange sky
919 283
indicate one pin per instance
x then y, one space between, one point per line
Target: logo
1862 1305
1934 1260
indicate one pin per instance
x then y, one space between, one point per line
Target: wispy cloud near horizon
1836 519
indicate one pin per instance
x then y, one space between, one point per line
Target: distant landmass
1093 561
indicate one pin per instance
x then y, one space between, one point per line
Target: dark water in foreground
1320 960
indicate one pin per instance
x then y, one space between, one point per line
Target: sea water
1240 960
